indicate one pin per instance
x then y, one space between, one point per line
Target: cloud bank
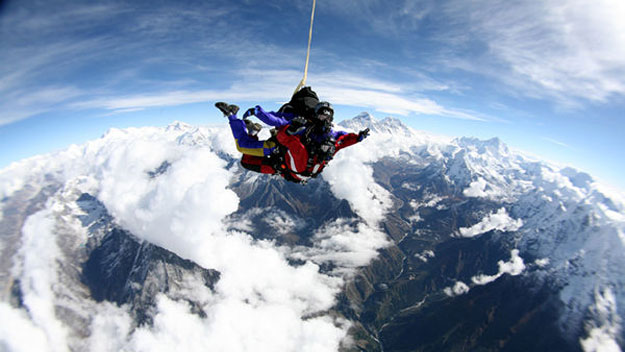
170 187
499 221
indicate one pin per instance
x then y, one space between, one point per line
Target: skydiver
258 156
304 145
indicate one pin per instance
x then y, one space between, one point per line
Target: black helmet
324 107
323 116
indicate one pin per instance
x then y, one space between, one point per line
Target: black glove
296 126
249 112
363 134
327 149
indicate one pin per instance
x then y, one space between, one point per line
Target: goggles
325 116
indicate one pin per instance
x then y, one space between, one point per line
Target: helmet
323 116
324 107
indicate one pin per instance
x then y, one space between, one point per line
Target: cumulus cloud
182 206
425 255
21 335
351 177
459 288
182 210
261 302
281 222
479 188
346 244
499 221
542 262
513 267
37 273
110 328
605 325
272 327
600 340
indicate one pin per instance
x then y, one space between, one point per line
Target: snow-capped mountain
156 238
389 125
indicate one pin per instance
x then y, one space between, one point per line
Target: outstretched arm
347 139
271 118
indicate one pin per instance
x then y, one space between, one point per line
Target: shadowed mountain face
484 250
309 206
125 270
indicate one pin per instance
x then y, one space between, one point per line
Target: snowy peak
178 126
364 120
493 146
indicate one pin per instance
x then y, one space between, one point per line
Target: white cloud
235 326
123 85
605 324
499 221
513 267
182 210
37 273
351 178
557 142
261 301
555 53
425 255
599 340
390 21
110 328
21 334
342 88
480 188
282 223
541 263
344 243
458 289
348 89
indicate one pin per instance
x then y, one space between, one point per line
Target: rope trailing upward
312 19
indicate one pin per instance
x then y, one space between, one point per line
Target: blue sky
546 77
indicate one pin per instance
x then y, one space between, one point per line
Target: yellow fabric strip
310 31
269 144
255 151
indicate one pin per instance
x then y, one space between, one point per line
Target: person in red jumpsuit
304 146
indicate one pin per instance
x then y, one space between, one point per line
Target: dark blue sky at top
547 78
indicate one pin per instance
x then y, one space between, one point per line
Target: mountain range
156 238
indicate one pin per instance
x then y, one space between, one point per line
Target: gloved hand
327 149
296 126
249 112
363 134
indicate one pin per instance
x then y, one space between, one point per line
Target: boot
226 109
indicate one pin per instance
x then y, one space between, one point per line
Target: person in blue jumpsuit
303 148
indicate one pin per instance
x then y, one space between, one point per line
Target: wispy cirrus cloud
557 142
147 65
571 52
341 88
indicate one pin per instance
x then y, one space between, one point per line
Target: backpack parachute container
302 103
304 99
